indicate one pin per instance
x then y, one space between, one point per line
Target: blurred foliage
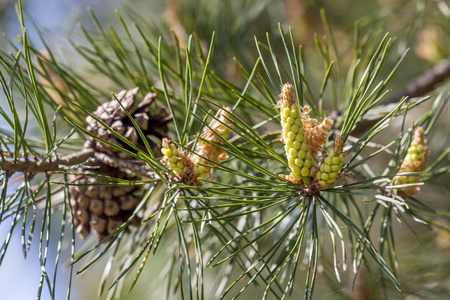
258 230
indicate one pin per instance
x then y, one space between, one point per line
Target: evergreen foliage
214 193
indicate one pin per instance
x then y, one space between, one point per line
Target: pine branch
55 164
261 221
425 83
35 165
419 87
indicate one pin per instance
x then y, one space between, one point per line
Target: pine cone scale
103 206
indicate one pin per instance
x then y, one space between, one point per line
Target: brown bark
56 164
419 87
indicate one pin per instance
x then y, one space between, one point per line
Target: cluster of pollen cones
304 139
196 165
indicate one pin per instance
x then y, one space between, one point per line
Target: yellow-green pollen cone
330 168
172 157
299 157
415 161
193 166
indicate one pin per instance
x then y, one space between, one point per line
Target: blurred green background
422 26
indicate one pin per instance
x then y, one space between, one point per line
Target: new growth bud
175 160
331 165
415 161
300 160
317 136
193 166
304 140
218 129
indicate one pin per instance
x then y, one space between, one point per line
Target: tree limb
425 83
49 165
55 164
419 87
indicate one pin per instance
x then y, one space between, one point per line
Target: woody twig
419 87
58 164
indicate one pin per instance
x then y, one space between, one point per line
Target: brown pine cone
113 115
97 203
103 208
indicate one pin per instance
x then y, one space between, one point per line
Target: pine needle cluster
209 184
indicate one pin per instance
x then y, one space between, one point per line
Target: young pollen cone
194 166
415 161
300 159
218 129
332 164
